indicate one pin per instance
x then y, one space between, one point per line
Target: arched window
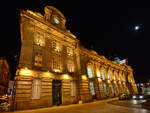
90 73
112 87
105 89
102 74
114 77
109 77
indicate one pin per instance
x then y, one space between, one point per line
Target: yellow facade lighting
46 74
98 74
25 72
65 76
56 70
108 81
84 77
99 79
119 82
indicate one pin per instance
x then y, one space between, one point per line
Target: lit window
36 89
39 39
114 77
70 66
109 77
105 89
69 51
56 46
56 64
90 74
103 76
92 88
38 59
73 88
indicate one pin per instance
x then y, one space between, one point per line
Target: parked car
138 97
122 97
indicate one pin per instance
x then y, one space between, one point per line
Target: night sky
107 28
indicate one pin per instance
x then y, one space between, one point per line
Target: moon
137 27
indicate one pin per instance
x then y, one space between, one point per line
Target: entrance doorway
92 89
56 92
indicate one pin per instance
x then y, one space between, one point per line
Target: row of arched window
101 74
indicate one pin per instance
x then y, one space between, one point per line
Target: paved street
128 103
93 107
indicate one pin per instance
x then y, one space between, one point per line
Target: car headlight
140 96
134 97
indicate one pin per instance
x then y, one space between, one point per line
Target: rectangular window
39 39
38 59
92 88
56 64
73 88
56 46
36 88
69 51
70 66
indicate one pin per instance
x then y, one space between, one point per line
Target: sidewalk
62 107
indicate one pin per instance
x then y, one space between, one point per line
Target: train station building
54 69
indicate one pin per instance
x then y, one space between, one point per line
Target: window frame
56 46
70 66
90 72
69 51
38 59
36 89
103 75
56 63
39 39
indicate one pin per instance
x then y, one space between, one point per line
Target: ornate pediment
55 17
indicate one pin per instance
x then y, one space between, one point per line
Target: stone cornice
37 17
101 59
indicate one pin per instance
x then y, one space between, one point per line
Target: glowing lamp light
66 76
25 71
99 79
98 74
141 96
133 96
46 74
56 70
108 81
84 77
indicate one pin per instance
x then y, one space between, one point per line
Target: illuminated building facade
4 76
54 69
101 78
